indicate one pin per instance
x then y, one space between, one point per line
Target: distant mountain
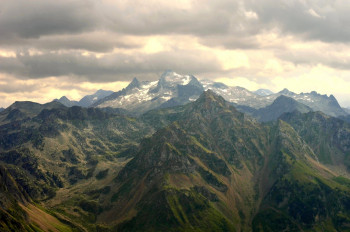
87 100
281 104
1 109
243 97
65 101
235 94
263 92
140 96
317 102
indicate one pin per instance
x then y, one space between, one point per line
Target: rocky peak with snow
135 83
172 78
140 96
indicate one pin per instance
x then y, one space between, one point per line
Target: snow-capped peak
135 83
173 78
140 95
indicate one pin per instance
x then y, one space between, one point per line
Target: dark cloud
15 87
141 18
314 57
93 42
22 22
218 22
58 24
222 23
116 67
328 21
231 42
32 19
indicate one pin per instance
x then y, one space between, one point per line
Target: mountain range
87 100
280 105
173 89
201 166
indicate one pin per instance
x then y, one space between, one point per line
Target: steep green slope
162 117
49 151
329 137
195 166
305 195
18 212
12 217
216 169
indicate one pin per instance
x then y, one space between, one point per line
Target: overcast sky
75 47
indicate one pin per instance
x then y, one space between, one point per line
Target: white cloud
251 15
314 13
